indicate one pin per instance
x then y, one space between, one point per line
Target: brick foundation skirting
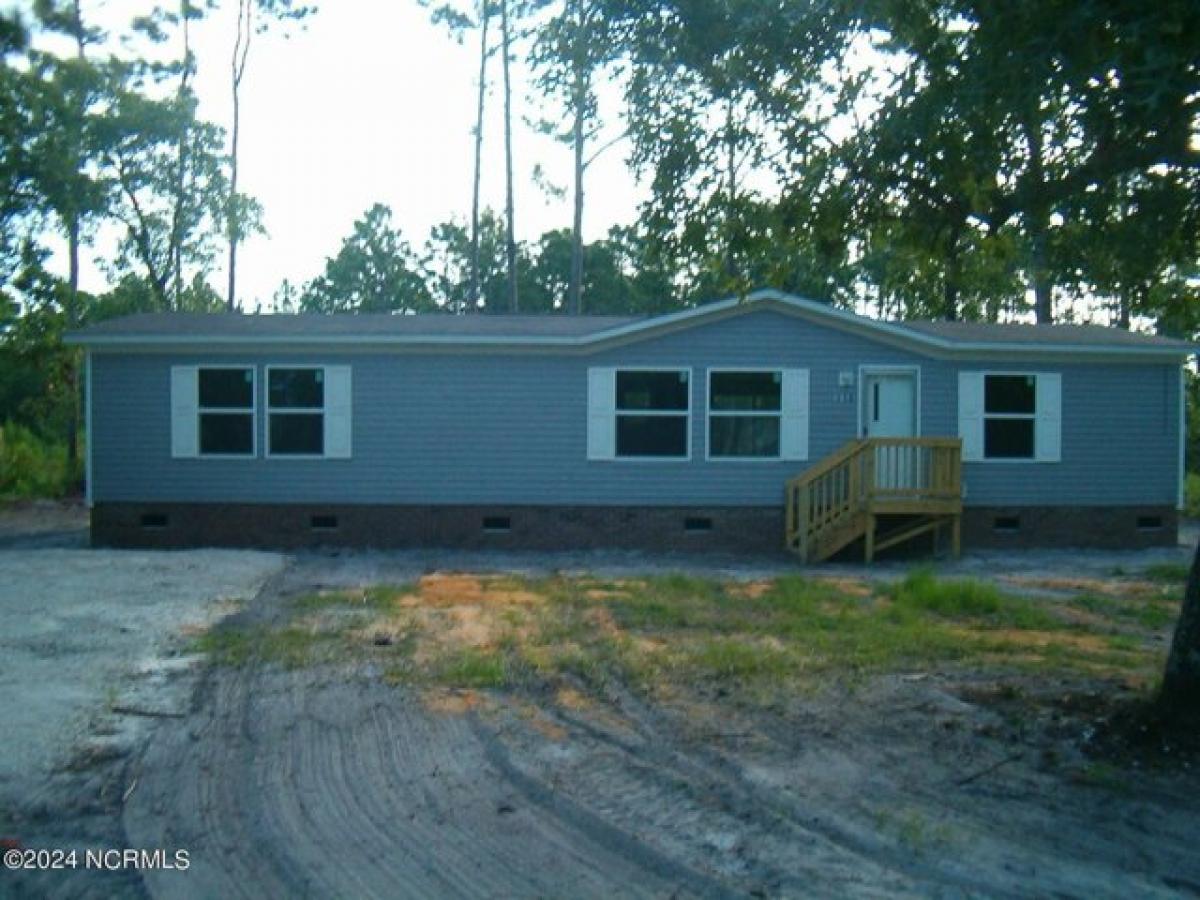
1103 527
700 529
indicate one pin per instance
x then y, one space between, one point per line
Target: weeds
1168 573
657 632
31 466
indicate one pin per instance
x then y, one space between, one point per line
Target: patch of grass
376 599
734 658
1168 573
291 646
967 598
1147 612
227 646
473 668
671 601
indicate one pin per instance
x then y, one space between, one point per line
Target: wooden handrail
830 462
861 478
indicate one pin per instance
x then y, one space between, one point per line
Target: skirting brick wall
1104 527
732 529
700 529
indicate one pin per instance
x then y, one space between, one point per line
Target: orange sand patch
605 594
1040 639
452 702
853 587
751 590
442 589
547 728
649 644
570 698
602 618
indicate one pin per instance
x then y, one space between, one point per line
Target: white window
213 411
639 413
1010 416
308 411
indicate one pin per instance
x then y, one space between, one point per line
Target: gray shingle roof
365 325
558 330
1039 335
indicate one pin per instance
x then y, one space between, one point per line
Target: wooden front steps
848 494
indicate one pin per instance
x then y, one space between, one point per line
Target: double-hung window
639 413
1010 416
214 411
224 397
744 414
296 411
652 412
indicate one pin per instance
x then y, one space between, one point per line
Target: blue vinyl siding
480 428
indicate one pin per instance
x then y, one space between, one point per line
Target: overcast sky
370 103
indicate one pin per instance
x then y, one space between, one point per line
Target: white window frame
709 413
617 413
295 410
984 415
239 410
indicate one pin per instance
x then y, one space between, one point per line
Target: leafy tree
375 270
169 187
958 142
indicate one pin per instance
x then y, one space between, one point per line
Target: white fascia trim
767 298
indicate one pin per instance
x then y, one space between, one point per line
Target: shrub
33 467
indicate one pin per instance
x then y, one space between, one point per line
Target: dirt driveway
588 727
96 648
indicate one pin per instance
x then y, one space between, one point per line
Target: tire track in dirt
306 784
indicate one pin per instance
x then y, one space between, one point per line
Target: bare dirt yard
438 724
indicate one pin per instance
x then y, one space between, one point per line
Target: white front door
890 410
890 404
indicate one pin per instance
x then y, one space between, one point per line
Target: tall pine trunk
178 211
485 15
575 284
514 303
241 51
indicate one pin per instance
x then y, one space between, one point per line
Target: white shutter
1047 432
338 412
601 414
970 415
185 403
793 421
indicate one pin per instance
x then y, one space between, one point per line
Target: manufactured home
751 424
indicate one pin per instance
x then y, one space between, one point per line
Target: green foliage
31 466
1191 507
936 159
374 271
921 591
472 668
